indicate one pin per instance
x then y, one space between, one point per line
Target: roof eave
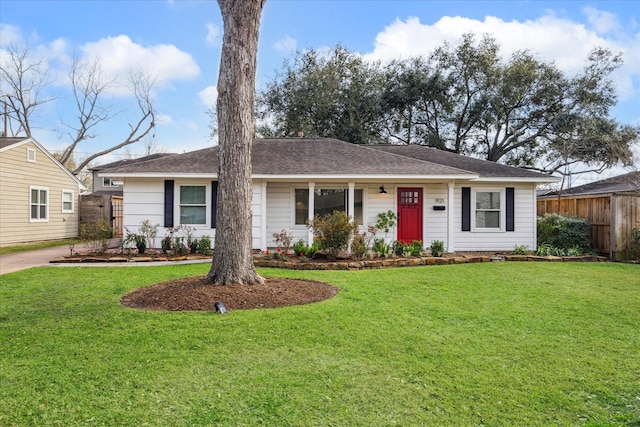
541 180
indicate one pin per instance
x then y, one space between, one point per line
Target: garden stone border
364 264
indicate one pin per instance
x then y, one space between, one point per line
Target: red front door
409 214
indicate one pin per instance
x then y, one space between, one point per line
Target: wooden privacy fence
612 218
96 207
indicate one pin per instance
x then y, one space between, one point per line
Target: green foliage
521 250
564 232
386 220
437 248
549 250
300 248
334 231
138 240
416 248
204 246
399 249
380 248
96 235
460 89
144 238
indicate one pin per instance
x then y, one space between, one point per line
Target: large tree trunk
232 260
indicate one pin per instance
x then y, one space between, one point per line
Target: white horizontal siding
435 222
524 216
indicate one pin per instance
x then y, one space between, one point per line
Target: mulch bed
198 294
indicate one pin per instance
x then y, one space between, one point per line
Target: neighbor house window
325 202
31 155
108 182
39 204
487 209
67 201
193 204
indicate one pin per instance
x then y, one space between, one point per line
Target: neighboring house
468 204
38 195
105 201
114 186
611 206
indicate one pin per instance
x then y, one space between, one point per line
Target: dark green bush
564 232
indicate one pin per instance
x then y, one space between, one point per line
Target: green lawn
496 344
38 245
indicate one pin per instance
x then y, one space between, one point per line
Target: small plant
149 232
283 241
204 246
96 236
400 249
334 231
359 245
380 247
416 248
302 250
437 248
138 240
386 220
521 250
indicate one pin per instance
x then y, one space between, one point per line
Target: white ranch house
469 204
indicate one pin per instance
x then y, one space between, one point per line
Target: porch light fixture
382 190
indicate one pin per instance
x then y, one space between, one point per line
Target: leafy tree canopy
463 98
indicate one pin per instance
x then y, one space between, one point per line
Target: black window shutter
466 208
168 202
510 225
214 202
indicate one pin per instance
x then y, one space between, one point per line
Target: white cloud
551 38
286 44
602 22
120 56
213 32
10 34
163 119
209 96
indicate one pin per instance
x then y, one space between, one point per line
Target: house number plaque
439 200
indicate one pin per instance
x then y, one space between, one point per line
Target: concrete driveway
27 259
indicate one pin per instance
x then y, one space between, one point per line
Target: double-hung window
488 212
67 201
326 201
39 204
193 204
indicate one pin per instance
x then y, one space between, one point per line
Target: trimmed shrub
334 232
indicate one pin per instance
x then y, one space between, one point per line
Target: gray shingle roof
484 168
629 182
297 156
129 161
6 141
330 157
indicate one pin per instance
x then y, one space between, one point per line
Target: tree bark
233 261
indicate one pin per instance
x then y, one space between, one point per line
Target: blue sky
179 42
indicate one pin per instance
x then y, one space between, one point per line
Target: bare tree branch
88 88
23 79
141 85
